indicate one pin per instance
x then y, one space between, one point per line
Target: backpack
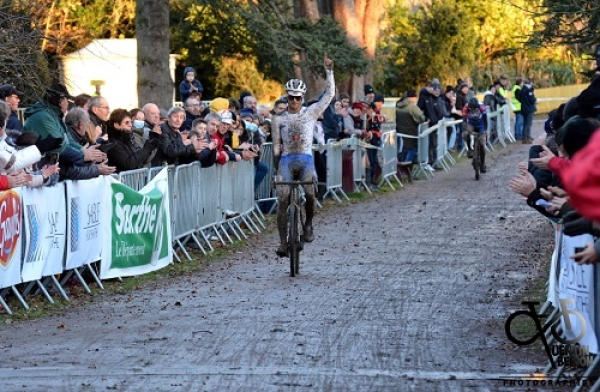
474 115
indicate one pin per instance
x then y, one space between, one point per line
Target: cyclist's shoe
282 250
469 153
483 169
308 234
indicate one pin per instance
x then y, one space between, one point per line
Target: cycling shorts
297 167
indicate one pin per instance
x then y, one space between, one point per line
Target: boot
483 167
321 190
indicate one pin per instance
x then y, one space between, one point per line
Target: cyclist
292 134
475 116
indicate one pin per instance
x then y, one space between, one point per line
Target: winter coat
408 118
170 146
528 100
124 153
185 87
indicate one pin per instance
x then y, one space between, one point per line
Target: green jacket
408 118
514 102
46 120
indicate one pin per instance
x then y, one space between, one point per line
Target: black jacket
170 146
124 153
528 100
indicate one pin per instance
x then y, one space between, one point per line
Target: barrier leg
44 291
95 276
5 305
19 297
182 248
82 281
588 372
58 287
260 221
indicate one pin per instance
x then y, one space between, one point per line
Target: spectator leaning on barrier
515 105
12 96
171 146
528 109
77 120
123 153
151 121
200 139
213 123
45 118
15 160
408 118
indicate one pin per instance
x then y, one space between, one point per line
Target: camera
579 249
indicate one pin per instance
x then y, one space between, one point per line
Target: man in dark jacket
528 108
408 119
171 146
99 111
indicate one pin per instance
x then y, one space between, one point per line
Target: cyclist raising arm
292 134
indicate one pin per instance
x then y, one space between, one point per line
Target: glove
574 224
48 144
151 145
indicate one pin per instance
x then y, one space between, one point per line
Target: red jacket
221 153
582 179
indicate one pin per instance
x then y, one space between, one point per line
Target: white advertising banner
576 285
45 227
11 216
84 221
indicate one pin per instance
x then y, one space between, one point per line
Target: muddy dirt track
407 291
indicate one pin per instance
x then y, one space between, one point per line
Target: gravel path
408 291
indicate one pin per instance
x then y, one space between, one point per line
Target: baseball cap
6 90
246 112
226 116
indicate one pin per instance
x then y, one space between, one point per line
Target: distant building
111 61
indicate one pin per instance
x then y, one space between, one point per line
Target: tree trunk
152 29
360 19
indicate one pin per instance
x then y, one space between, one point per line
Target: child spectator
189 84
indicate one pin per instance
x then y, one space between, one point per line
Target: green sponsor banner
138 234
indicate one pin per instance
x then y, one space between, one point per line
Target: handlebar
275 183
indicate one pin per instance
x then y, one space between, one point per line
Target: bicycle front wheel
293 249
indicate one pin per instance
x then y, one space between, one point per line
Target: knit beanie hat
218 104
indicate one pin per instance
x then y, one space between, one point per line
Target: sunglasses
293 98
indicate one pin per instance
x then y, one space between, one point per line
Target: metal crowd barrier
265 193
389 153
358 163
334 171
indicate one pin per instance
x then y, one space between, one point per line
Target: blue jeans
408 155
518 126
527 123
260 171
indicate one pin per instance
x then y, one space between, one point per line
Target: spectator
45 118
279 107
213 123
359 117
202 142
99 111
234 105
82 101
189 84
461 101
528 108
77 120
489 98
432 106
218 104
13 160
151 121
502 87
408 119
373 136
344 98
515 104
171 146
192 112
369 93
124 153
12 96
264 112
250 102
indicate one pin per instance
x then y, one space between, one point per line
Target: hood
403 103
38 107
188 69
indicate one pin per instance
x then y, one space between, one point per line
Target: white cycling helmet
295 87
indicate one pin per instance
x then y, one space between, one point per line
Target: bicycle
296 218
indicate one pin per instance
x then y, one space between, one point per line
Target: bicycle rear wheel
293 250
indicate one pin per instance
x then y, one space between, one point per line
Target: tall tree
152 28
